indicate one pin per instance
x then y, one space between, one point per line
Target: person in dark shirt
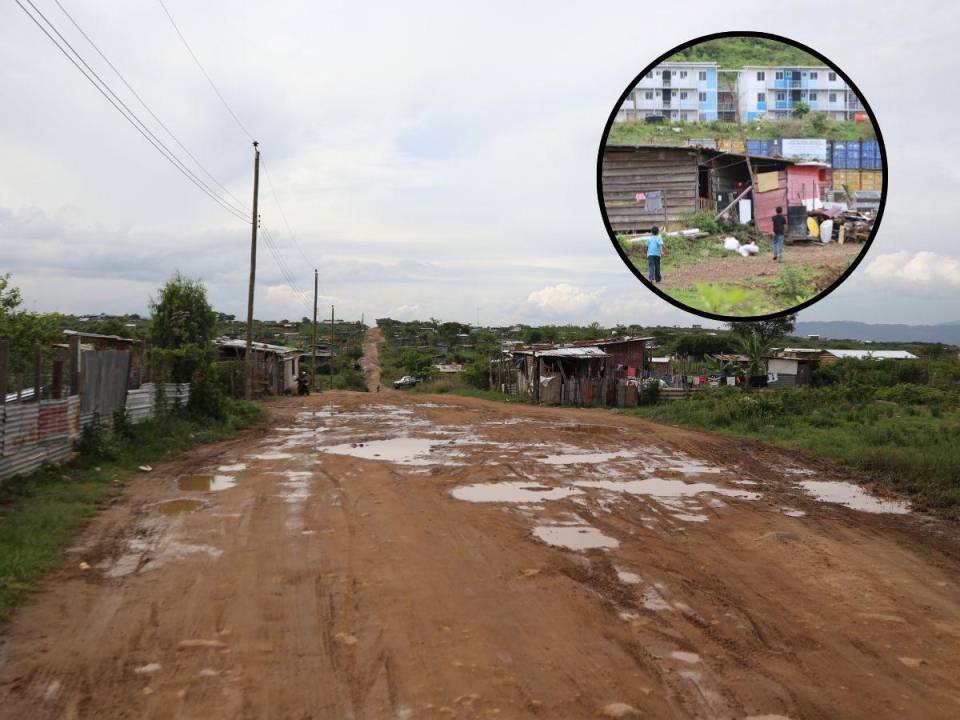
779 228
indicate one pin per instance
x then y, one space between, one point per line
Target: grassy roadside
906 436
40 513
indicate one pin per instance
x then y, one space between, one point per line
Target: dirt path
371 358
828 261
346 571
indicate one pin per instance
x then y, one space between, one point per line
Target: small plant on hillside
726 300
792 286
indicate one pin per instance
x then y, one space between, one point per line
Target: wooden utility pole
313 362
248 354
4 369
332 336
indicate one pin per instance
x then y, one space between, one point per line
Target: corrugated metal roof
873 354
266 347
99 336
574 352
688 148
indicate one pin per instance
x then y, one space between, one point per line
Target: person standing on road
654 251
779 228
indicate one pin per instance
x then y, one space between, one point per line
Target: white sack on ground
731 243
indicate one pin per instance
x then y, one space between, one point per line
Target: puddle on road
657 487
792 512
586 458
206 483
852 496
179 507
687 657
237 467
628 577
402 450
689 517
271 455
512 492
574 537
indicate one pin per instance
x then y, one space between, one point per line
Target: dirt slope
339 577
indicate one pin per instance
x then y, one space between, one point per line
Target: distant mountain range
848 330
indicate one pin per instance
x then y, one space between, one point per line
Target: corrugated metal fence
34 433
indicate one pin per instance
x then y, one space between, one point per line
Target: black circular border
742 318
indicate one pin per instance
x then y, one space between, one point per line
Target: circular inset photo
741 176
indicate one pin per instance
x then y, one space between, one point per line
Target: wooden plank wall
672 171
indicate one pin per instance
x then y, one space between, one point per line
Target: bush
703 220
96 441
649 394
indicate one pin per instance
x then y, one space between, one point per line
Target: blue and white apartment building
680 91
702 91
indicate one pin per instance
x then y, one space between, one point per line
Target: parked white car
405 381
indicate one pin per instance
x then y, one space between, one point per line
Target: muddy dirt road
398 556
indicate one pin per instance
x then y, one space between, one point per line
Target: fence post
56 380
38 372
74 364
4 368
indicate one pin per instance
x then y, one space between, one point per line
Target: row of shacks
590 372
654 185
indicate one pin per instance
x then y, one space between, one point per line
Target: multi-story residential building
774 92
681 91
701 91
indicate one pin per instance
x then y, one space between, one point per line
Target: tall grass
911 443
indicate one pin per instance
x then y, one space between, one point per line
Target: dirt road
398 556
826 262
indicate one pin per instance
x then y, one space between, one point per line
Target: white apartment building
702 91
679 91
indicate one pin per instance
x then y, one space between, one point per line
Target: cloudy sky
431 158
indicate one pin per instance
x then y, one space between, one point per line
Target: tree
819 123
23 329
800 109
757 349
181 314
768 330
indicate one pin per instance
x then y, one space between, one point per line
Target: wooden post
74 345
56 381
4 369
248 384
537 363
37 372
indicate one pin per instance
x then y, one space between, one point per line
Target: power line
148 109
205 73
283 215
125 111
284 270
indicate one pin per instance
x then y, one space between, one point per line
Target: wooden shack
647 185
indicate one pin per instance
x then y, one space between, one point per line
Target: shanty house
791 367
647 185
275 367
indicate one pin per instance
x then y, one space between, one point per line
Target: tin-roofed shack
275 367
647 185
586 372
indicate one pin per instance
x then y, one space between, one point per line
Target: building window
703 97
833 97
831 76
683 95
781 96
683 74
658 72
779 75
650 74
813 97
761 97
648 95
761 75
814 75
703 76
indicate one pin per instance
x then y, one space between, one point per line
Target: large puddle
179 507
401 450
512 492
574 537
657 487
586 458
206 483
852 496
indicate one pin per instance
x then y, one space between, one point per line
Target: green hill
736 52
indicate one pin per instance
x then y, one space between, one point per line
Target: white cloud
564 299
924 272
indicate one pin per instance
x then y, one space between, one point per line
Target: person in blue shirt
654 250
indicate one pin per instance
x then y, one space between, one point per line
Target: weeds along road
397 556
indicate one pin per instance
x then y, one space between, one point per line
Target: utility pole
248 355
332 337
313 362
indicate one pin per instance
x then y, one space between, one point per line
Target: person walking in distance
779 227
654 251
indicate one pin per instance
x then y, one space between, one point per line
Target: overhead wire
146 107
104 89
204 71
